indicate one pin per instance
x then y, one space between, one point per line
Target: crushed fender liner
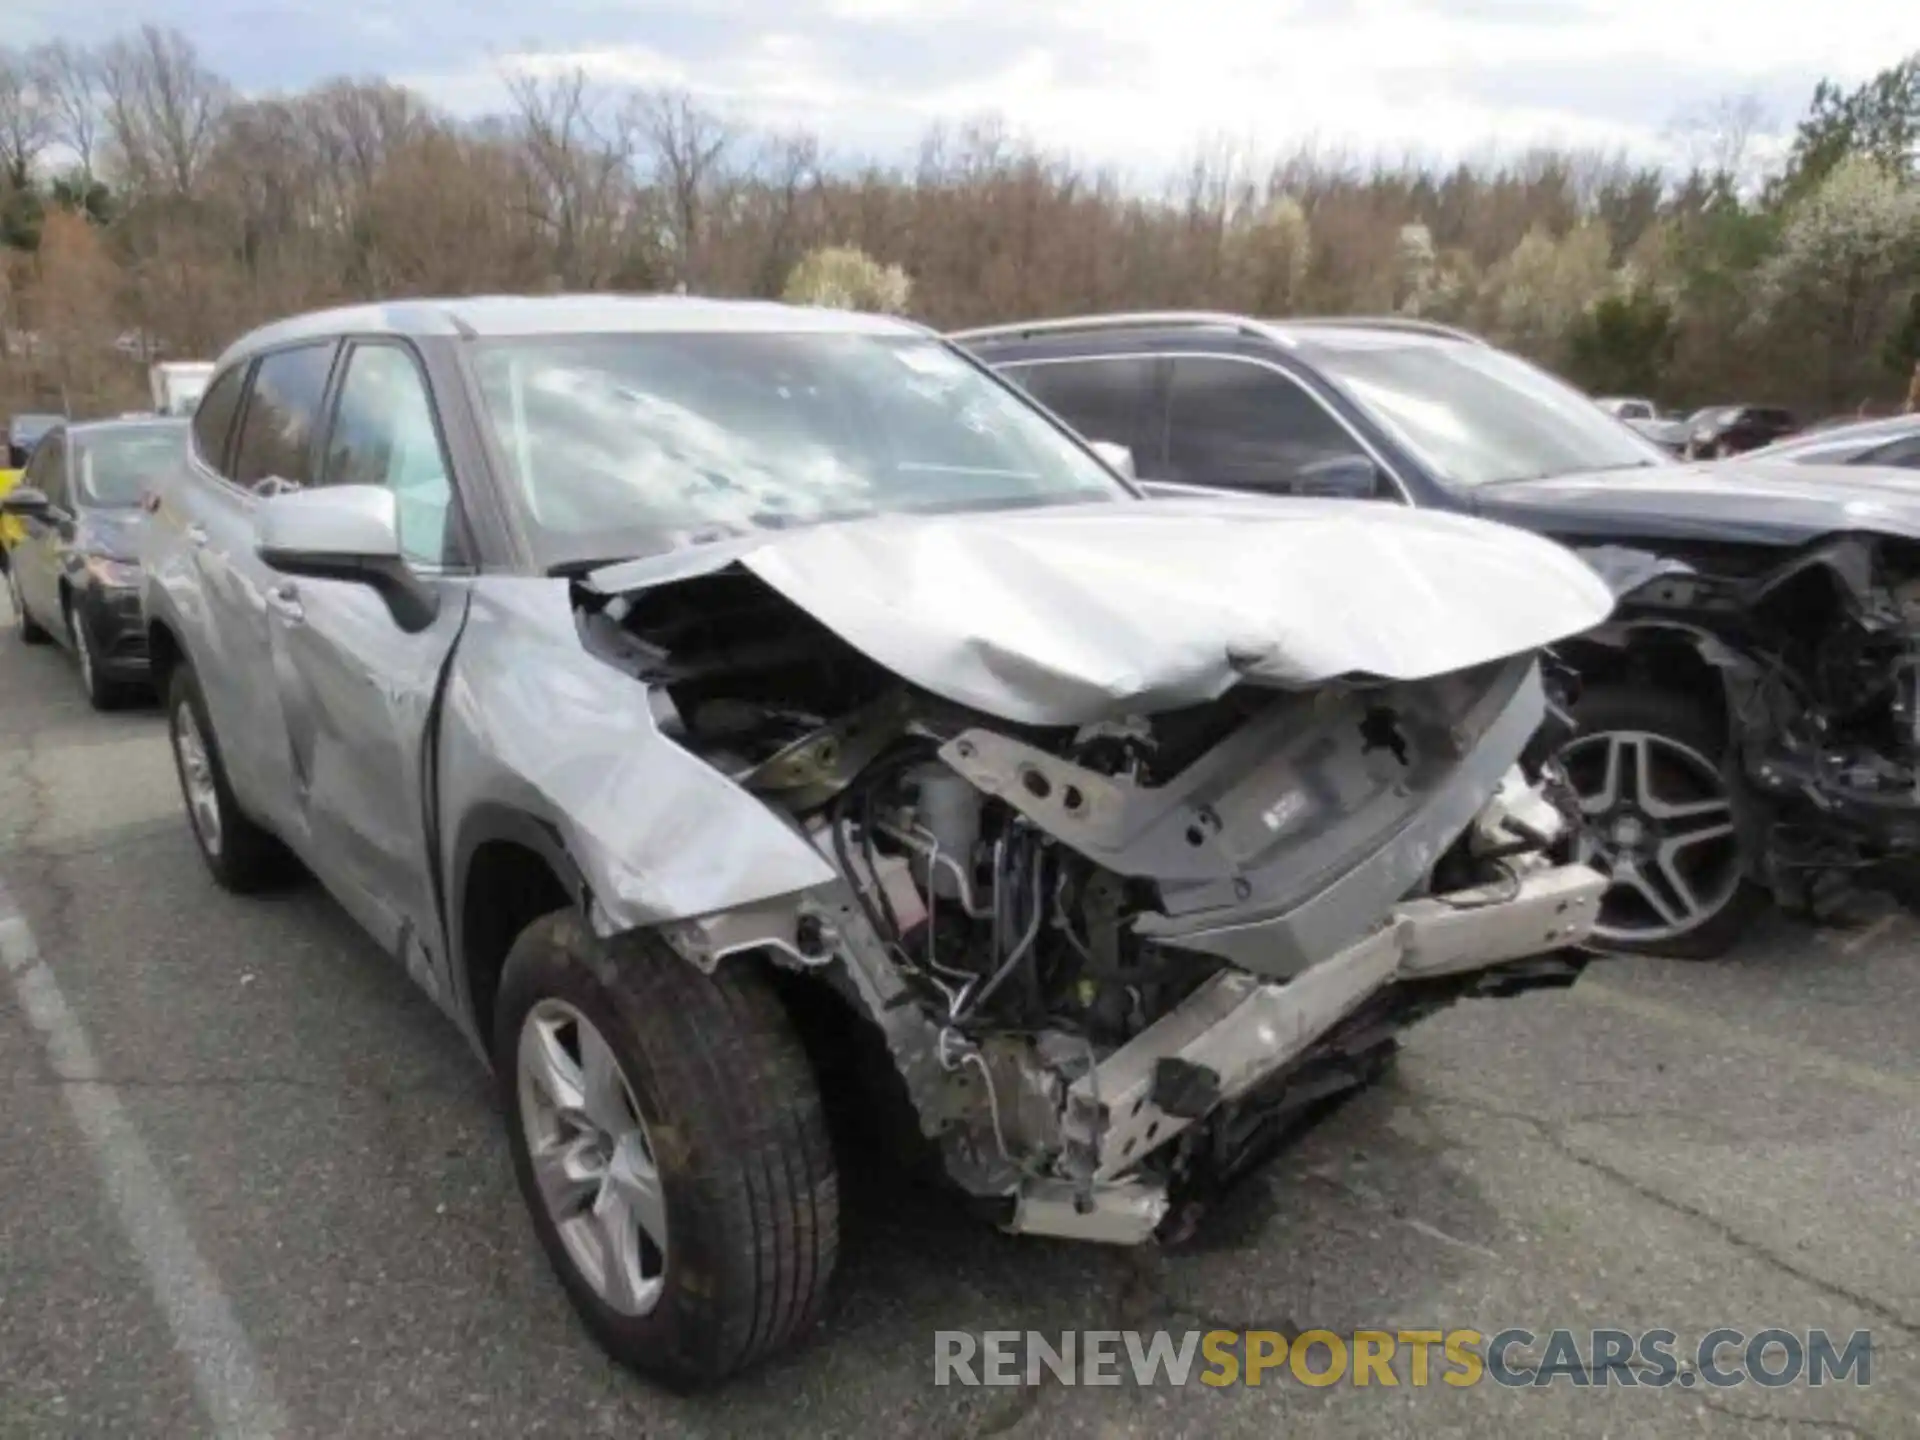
1817 650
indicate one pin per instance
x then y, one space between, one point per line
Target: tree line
148 207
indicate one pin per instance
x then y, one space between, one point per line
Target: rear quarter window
213 418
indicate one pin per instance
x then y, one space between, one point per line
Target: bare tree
163 109
26 118
1716 139
71 76
578 163
688 145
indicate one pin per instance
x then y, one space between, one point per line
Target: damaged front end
1112 957
1817 658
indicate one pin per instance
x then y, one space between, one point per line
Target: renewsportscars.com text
1515 1356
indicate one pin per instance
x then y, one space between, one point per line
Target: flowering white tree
846 278
1849 253
1544 284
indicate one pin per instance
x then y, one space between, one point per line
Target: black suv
1723 430
1747 718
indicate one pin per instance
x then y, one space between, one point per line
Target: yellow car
11 531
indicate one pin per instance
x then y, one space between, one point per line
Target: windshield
117 467
1477 416
620 445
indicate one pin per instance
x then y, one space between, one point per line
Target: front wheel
1657 820
669 1140
101 693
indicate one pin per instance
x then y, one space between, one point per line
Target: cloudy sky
1135 82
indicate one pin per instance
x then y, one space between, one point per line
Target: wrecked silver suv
688 694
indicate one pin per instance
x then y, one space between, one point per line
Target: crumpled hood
1764 502
1078 613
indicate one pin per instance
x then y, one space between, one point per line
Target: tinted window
1245 427
1102 399
383 434
213 420
1898 452
47 470
283 408
115 468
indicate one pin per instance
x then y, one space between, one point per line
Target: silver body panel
386 755
1080 613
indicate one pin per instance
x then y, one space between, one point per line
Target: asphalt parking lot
251 1181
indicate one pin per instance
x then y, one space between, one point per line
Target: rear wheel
243 855
102 694
670 1143
30 633
1658 822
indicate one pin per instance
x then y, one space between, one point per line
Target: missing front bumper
1238 1031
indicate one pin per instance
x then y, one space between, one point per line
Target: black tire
243 856
30 631
1690 722
102 694
739 1138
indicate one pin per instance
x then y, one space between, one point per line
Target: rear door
1116 398
272 449
358 693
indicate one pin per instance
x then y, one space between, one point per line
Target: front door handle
284 601
197 536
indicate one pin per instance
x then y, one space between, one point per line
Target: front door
359 693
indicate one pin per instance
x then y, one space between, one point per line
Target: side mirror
345 532
1343 477
26 502
1118 457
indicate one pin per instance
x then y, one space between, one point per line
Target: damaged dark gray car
1758 681
703 700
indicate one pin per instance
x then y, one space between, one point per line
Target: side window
283 409
1905 453
47 470
1102 399
1242 426
213 420
383 434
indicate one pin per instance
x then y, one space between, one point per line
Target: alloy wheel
592 1157
196 777
1657 821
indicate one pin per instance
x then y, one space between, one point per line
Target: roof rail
1121 321
1411 324
1208 319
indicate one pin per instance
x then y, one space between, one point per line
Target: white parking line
231 1385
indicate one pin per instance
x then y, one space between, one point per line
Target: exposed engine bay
1111 959
1818 659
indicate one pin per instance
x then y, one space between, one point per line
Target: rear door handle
197 535
284 601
